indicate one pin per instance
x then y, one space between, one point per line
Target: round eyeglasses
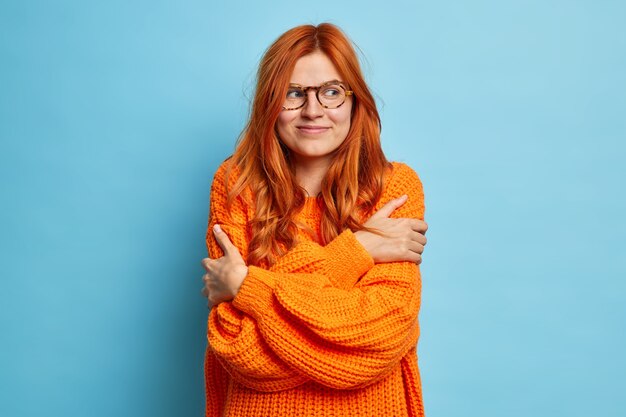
330 95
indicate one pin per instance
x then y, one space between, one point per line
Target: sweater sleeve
341 338
234 338
344 259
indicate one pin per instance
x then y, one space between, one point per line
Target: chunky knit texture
322 332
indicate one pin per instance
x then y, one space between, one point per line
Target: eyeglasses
331 95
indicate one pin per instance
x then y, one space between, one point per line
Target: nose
312 108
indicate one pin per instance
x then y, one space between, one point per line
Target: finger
415 257
411 256
390 206
223 240
213 300
205 263
419 238
416 247
419 226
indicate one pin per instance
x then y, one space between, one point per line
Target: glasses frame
347 92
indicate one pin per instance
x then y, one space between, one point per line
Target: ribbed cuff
346 260
256 292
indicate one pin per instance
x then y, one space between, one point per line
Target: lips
312 129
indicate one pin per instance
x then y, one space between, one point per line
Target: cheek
284 120
342 119
282 124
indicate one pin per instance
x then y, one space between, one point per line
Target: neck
310 174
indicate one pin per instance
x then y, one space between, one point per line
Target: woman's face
312 133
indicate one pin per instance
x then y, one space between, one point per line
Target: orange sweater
324 331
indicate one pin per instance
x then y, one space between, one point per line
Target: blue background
114 116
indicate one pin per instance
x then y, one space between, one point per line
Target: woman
314 241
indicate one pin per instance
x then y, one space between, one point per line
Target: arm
234 339
338 338
344 256
343 260
341 338
341 334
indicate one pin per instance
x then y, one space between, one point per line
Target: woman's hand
224 275
400 239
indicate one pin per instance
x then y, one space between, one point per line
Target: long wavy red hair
354 181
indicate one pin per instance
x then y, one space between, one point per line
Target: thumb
223 240
391 206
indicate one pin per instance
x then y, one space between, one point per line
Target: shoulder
402 176
224 182
225 177
219 186
227 170
402 179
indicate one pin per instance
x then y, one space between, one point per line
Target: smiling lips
311 129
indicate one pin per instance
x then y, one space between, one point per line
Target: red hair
354 181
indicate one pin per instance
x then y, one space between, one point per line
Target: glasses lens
332 95
295 98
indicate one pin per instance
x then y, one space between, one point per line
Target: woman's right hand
400 239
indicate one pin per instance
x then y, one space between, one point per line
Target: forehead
314 69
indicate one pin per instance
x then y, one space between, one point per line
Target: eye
332 91
294 93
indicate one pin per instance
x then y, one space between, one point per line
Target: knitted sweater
324 331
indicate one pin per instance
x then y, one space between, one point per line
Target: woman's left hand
224 275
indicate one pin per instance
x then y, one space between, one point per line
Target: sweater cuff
256 292
346 260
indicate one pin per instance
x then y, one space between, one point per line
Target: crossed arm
328 314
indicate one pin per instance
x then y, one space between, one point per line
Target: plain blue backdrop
114 116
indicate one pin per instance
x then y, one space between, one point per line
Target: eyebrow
325 82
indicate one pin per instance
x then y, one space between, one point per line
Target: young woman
314 241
